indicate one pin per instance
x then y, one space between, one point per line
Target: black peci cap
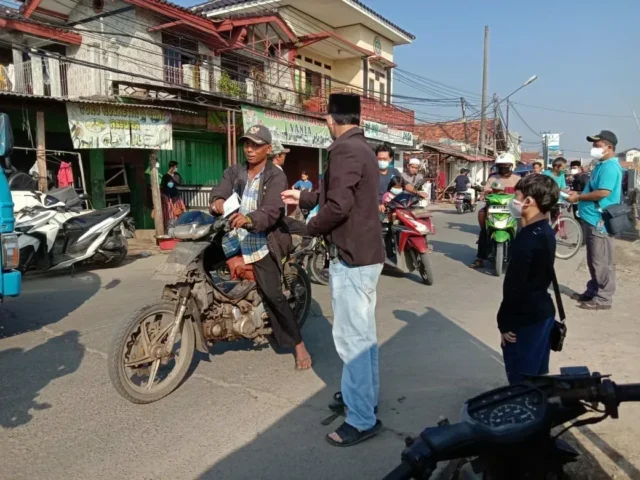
344 103
606 135
258 134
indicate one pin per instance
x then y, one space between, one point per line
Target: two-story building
204 74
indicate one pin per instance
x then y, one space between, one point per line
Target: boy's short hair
537 162
542 188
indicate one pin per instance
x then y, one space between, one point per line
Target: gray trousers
600 259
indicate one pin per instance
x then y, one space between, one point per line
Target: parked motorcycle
152 352
501 229
314 258
507 431
53 234
405 237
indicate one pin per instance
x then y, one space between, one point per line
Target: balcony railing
47 77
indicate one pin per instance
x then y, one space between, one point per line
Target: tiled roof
220 4
453 131
528 157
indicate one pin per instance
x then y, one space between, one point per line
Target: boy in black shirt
526 315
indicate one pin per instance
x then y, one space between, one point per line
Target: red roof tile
453 131
528 157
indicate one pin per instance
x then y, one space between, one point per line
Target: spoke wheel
319 267
140 369
568 237
300 287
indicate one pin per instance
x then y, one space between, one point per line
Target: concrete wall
365 38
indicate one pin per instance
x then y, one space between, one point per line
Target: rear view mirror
6 136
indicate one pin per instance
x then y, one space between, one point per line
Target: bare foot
303 358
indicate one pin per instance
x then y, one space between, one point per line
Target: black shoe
594 306
581 297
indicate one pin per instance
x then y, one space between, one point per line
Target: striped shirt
253 245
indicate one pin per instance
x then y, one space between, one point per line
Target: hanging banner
553 141
288 128
383 133
119 126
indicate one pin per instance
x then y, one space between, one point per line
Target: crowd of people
356 185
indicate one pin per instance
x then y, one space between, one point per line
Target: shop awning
454 152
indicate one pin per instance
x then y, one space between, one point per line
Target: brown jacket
348 198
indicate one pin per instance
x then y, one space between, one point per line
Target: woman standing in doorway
172 204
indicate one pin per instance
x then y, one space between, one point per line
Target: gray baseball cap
277 148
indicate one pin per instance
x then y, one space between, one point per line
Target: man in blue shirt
604 189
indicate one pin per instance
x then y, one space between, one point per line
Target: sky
583 51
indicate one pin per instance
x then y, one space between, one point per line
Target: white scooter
54 234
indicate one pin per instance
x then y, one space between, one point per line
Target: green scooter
501 229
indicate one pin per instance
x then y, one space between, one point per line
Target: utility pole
496 108
41 156
485 86
545 148
464 120
507 126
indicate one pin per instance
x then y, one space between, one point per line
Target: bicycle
568 234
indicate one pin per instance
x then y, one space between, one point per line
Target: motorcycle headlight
10 251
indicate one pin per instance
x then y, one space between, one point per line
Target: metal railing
47 77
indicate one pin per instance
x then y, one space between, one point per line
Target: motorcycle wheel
318 267
300 286
473 207
499 259
425 269
122 254
459 209
129 358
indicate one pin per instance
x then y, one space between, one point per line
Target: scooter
54 235
464 202
405 237
501 229
505 434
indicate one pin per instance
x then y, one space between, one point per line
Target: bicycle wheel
568 237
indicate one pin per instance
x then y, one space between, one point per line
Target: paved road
243 413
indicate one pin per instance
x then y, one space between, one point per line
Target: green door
200 161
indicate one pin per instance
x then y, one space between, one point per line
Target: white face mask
396 191
575 171
515 208
597 153
383 164
175 169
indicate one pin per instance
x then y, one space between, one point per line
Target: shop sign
383 133
289 129
119 126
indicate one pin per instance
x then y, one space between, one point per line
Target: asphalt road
243 413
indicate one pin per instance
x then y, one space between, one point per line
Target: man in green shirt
558 171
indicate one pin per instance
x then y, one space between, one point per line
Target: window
313 82
328 67
308 60
317 63
173 60
372 86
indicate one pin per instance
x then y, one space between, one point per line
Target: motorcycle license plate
499 209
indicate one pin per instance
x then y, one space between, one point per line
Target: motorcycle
501 229
506 432
314 258
405 237
464 202
151 352
53 234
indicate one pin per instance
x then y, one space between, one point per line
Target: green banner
288 128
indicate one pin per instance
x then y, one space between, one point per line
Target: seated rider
505 177
462 181
393 189
259 184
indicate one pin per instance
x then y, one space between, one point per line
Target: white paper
231 205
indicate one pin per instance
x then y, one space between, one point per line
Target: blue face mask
170 184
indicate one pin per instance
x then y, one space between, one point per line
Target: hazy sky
583 51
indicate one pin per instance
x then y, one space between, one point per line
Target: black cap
606 135
344 103
258 134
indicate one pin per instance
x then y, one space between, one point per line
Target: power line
523 120
573 113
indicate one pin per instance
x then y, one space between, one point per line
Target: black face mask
504 170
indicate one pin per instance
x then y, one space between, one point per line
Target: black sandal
338 406
352 436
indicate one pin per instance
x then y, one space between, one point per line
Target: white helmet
506 158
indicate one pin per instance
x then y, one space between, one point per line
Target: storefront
400 140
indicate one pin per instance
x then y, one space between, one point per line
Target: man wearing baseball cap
603 189
262 214
278 154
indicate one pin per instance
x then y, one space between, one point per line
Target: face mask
504 170
515 208
575 171
396 191
383 164
175 169
597 153
170 184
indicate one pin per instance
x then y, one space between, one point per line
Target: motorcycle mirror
6 136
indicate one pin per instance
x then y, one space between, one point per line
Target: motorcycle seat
88 220
422 214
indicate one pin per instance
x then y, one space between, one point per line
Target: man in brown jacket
259 184
349 220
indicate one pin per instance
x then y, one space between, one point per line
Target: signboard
553 141
288 128
383 133
119 126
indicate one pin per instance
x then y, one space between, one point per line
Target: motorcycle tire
319 272
499 259
303 278
122 254
120 343
425 269
459 209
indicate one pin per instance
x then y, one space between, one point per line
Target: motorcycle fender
501 236
201 344
114 242
177 265
419 243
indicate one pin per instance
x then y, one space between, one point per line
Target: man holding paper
261 230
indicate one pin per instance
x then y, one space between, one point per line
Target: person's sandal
477 264
350 436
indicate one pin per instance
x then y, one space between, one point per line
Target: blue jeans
353 297
529 355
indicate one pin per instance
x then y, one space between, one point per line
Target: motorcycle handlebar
401 472
629 392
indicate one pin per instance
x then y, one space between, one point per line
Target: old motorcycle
152 351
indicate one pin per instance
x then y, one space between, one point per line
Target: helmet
506 158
